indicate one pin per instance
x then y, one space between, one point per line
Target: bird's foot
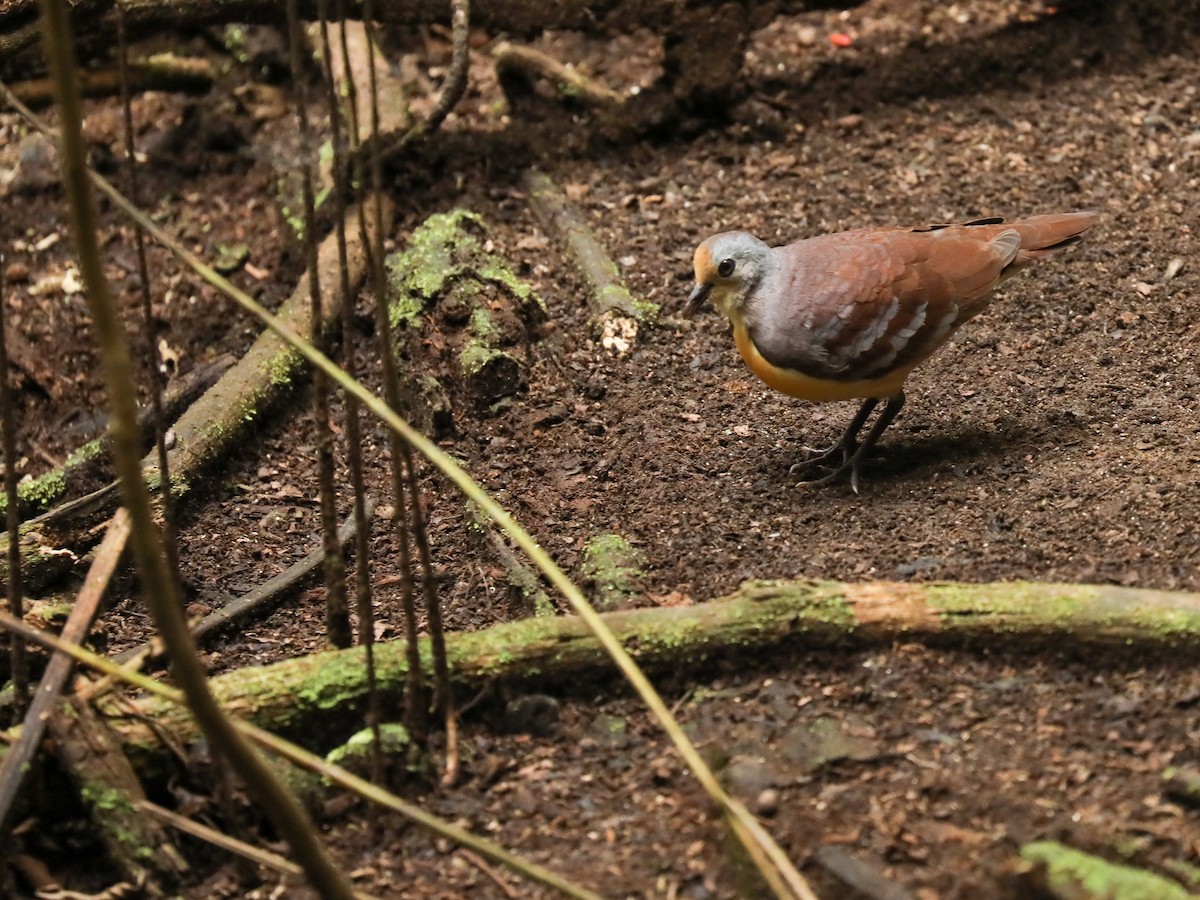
838 455
849 467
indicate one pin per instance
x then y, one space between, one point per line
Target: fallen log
329 688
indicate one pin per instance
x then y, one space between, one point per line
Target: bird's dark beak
696 299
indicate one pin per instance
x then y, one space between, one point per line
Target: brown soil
1055 439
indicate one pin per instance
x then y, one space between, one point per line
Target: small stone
16 273
767 802
534 714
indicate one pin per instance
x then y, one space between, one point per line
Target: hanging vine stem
337 607
152 357
415 707
364 602
19 668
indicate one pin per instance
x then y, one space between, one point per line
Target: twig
473 859
569 81
161 72
258 855
14 766
18 660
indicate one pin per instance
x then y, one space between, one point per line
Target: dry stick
312 762
260 596
170 532
569 81
362 564
19 667
15 764
161 72
415 709
520 575
337 607
162 592
608 296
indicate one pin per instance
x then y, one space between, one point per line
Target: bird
850 315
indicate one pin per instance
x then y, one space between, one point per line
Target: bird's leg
846 445
854 458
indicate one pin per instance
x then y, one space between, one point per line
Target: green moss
823 602
1071 873
51 612
614 567
109 805
481 322
1108 613
446 249
38 492
235 43
476 354
279 368
393 737
1187 872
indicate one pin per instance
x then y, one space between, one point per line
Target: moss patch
614 567
1070 873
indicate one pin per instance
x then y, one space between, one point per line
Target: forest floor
1055 439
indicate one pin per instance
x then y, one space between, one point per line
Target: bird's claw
821 457
849 466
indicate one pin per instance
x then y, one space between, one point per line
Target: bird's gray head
729 266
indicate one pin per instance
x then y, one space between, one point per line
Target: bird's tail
1043 235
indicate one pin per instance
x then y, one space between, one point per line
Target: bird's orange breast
806 387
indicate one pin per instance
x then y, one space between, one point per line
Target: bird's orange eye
725 269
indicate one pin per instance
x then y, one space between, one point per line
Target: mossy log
209 428
88 462
329 688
